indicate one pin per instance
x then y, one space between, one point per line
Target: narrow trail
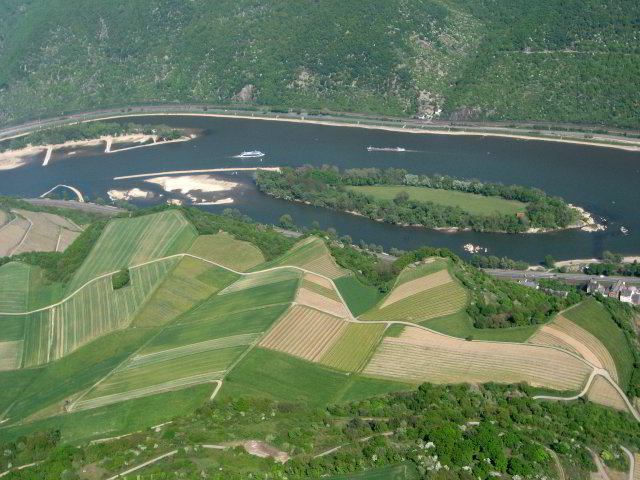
601 470
24 237
142 465
632 462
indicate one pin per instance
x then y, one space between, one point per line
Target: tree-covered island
399 197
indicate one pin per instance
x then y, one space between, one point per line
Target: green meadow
470 202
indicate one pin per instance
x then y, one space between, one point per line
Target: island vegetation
87 131
398 197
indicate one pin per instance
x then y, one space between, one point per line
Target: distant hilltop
464 60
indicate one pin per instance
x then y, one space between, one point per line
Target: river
605 181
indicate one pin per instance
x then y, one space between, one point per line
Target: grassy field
94 311
131 241
434 302
246 299
203 325
359 297
460 325
320 290
311 254
397 472
224 249
352 350
81 369
13 384
260 279
412 272
567 334
595 319
119 418
416 286
421 356
14 285
190 282
283 377
42 292
145 376
470 202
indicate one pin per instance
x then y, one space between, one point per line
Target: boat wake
389 149
250 154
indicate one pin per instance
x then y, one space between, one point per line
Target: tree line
326 187
87 131
435 431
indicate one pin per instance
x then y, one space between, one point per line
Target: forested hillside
549 60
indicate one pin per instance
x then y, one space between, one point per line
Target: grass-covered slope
594 318
127 242
545 60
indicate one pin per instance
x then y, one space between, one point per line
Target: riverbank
410 127
567 133
11 159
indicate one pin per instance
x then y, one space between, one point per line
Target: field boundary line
116 368
596 372
142 465
26 234
215 390
349 318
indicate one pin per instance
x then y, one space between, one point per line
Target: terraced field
36 232
260 279
14 287
199 347
132 241
566 334
418 355
205 323
352 350
10 355
168 370
417 285
321 302
12 234
186 285
224 249
434 302
603 393
94 311
45 231
311 254
319 285
305 333
426 267
594 318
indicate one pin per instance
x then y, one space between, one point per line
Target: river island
439 202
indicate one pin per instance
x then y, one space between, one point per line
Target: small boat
386 149
625 231
251 154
